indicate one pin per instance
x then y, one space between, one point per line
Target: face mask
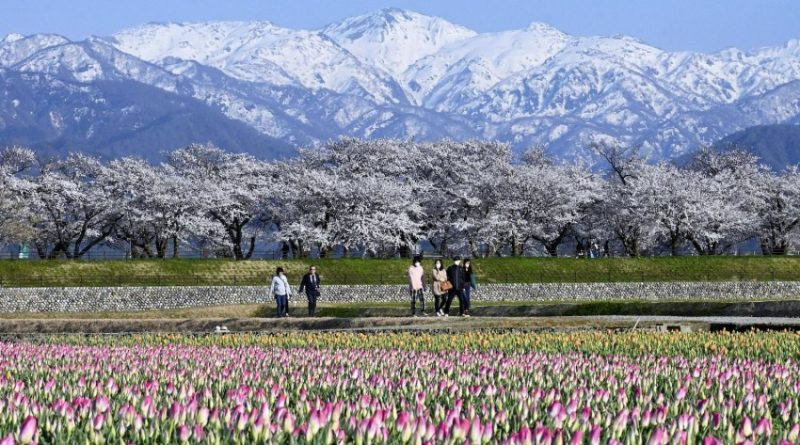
416 264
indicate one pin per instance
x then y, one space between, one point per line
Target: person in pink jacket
416 285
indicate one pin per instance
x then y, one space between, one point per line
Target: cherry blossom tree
72 207
16 164
157 207
227 190
778 215
724 207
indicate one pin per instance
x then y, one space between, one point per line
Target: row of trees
386 197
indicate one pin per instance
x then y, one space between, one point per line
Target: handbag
446 285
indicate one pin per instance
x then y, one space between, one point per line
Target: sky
696 25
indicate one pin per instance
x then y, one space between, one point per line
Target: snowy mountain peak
14 49
543 28
262 52
93 60
393 39
12 37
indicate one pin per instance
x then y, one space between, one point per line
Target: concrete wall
79 299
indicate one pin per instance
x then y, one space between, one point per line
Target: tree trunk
516 247
161 247
175 253
236 243
551 247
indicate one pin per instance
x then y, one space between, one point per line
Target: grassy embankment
25 273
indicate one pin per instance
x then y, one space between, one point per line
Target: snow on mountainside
396 73
15 47
469 67
263 53
93 60
393 39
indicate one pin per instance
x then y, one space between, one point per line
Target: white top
280 286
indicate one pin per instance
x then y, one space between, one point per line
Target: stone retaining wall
86 299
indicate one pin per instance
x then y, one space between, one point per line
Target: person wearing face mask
416 282
281 291
457 278
310 283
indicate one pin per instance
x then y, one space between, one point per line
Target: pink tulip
595 434
98 421
198 433
716 420
475 431
794 433
747 427
711 440
183 433
659 437
763 427
555 409
8 440
28 430
488 432
101 404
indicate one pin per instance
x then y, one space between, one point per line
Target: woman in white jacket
281 291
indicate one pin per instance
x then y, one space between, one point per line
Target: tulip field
414 388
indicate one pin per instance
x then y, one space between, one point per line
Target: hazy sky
703 25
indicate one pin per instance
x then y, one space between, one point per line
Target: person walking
281 291
416 283
310 283
455 275
439 295
470 284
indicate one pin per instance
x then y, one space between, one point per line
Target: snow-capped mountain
393 39
261 52
401 74
470 67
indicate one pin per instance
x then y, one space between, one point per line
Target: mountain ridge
401 74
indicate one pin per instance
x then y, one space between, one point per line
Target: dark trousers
451 294
439 301
312 303
282 302
417 295
467 299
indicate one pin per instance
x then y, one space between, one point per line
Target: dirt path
11 327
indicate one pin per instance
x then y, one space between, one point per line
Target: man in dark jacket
456 277
310 283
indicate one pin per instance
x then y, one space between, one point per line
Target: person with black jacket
457 278
311 283
470 284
